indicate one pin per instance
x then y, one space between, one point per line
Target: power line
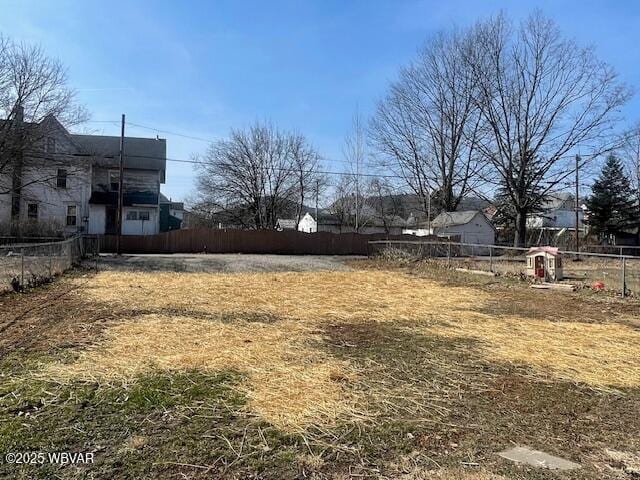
196 162
210 141
279 169
168 132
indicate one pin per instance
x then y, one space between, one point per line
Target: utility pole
317 194
429 211
357 187
120 186
577 207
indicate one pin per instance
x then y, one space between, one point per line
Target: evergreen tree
506 212
612 204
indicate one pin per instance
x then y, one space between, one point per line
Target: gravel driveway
223 263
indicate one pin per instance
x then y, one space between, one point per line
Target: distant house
415 226
557 213
144 172
69 183
470 226
46 189
629 236
390 224
171 214
307 224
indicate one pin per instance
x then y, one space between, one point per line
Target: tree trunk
521 229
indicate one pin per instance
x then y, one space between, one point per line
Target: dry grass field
372 371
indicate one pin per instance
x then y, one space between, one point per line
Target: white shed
472 226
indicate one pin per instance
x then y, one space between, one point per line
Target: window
32 210
61 178
72 215
50 145
138 215
114 181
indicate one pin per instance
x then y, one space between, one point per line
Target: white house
471 226
69 183
557 213
307 224
46 190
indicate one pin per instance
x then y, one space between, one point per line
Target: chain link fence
24 265
620 273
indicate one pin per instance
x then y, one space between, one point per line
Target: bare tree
384 202
541 97
342 206
34 97
306 162
356 155
428 126
631 156
256 175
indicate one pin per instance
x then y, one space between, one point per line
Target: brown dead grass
289 383
600 355
293 383
370 295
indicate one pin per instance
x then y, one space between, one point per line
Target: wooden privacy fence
204 240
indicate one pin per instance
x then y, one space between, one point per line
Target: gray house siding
471 227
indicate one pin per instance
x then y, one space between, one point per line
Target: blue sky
202 68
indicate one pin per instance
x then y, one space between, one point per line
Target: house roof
140 153
558 200
549 250
163 200
451 219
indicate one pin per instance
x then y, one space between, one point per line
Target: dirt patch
224 263
52 317
452 406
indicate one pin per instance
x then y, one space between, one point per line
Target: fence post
22 267
624 277
490 258
50 261
449 254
